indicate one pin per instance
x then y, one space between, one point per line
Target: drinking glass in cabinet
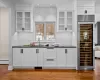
19 14
61 14
27 26
19 20
19 26
61 27
27 20
69 27
61 20
69 14
27 14
69 21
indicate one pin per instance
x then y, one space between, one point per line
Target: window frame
53 22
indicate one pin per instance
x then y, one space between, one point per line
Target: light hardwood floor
50 74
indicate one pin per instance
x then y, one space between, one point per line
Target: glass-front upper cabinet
65 20
23 21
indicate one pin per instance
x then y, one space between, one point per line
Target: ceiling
40 1
2 5
44 1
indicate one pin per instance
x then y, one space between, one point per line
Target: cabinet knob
21 51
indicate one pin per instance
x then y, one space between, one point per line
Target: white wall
11 7
4 33
62 38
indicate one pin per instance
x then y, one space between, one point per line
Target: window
45 30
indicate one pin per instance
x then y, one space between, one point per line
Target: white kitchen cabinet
67 57
17 57
40 54
24 57
23 21
90 10
61 57
50 57
65 20
71 60
45 57
29 57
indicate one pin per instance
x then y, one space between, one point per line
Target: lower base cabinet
43 57
67 57
27 57
49 57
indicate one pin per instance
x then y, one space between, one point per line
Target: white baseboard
10 68
4 61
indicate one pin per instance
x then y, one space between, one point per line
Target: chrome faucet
39 41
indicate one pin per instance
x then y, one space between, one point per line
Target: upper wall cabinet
65 20
86 7
86 10
45 13
23 18
23 21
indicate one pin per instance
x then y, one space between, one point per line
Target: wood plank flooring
50 74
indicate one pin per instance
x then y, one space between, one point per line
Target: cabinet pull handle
66 51
37 50
21 51
50 59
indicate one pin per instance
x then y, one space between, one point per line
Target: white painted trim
10 40
4 61
59 68
10 67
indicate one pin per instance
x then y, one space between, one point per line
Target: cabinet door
71 58
29 58
50 57
19 21
23 21
61 20
40 52
69 21
61 57
17 57
27 23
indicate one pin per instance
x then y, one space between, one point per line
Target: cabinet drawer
50 53
49 62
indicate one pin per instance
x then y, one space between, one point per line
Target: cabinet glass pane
69 27
19 26
27 26
27 14
61 20
39 31
50 31
61 14
69 21
61 27
69 14
27 20
19 20
19 14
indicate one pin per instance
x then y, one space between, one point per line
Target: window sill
47 41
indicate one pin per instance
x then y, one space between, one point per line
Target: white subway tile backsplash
23 38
